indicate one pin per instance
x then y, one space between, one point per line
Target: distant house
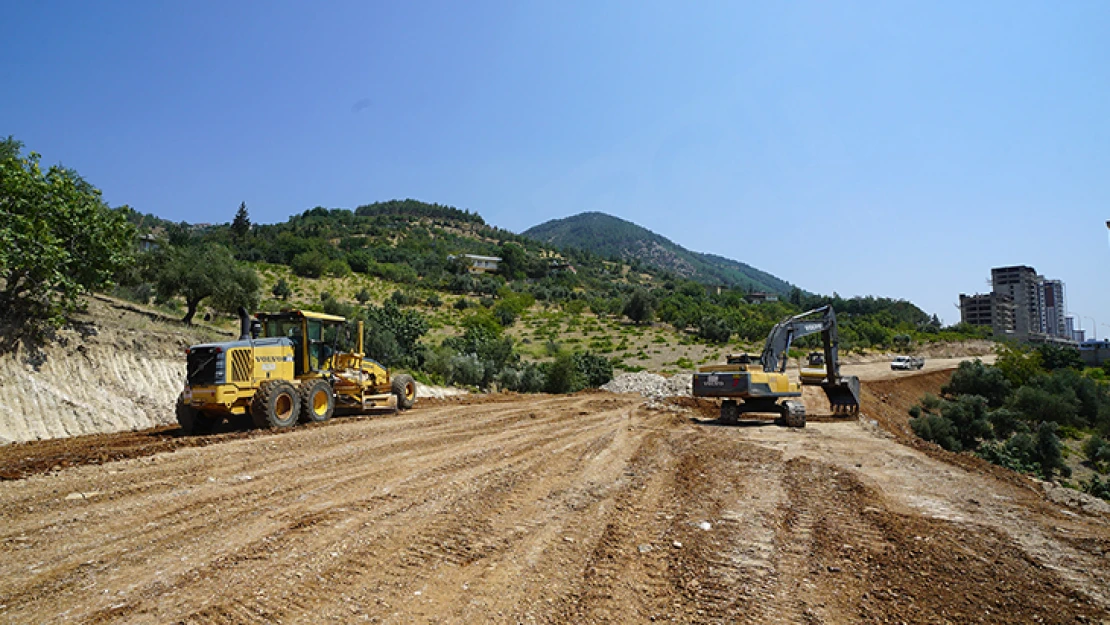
757 297
149 242
561 265
478 264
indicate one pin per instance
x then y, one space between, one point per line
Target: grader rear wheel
276 405
317 401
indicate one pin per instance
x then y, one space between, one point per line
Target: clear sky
889 148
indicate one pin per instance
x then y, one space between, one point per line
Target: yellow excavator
287 367
749 385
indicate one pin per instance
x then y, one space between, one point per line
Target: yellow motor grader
286 367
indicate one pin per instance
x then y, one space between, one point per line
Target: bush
1049 454
937 429
968 416
402 298
975 378
434 300
281 290
563 375
1098 488
1036 404
714 329
310 264
640 307
528 378
595 370
1097 451
467 369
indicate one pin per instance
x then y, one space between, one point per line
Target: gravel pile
651 385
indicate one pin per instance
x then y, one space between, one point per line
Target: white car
905 363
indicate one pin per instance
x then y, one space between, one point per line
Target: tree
208 271
281 289
640 307
241 225
58 239
972 377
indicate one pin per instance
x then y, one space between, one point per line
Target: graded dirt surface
589 508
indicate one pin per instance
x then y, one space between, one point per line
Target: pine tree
241 226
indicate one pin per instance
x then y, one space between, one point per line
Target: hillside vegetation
549 318
616 238
1014 413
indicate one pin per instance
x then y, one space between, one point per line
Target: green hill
612 237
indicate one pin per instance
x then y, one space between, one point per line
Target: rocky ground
592 508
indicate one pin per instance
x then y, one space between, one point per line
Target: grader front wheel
191 420
404 387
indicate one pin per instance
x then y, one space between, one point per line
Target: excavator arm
843 392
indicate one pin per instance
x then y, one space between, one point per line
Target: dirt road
580 509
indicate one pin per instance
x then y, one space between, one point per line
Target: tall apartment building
1021 283
988 309
1053 309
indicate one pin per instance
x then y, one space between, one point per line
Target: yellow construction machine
813 372
749 385
286 367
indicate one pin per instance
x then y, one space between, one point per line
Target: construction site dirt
589 508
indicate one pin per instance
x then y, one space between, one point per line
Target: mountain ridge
609 236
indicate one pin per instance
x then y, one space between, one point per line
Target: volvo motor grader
746 384
287 367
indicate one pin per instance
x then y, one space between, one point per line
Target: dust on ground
590 508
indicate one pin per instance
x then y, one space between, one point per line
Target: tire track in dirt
348 566
243 504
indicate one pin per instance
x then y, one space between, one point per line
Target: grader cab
287 367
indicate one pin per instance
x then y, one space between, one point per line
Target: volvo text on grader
286 367
745 384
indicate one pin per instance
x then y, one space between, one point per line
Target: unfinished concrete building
1022 285
1053 309
988 309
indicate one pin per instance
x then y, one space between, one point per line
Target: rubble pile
651 385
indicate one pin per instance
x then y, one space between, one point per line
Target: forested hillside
616 238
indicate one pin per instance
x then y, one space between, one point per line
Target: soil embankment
115 369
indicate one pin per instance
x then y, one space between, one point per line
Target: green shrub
1098 488
975 378
936 429
596 370
563 375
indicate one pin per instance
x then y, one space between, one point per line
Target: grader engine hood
208 364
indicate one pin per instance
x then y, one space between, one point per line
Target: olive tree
206 271
58 239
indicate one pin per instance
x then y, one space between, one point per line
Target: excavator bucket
843 395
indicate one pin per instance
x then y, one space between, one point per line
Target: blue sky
888 148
